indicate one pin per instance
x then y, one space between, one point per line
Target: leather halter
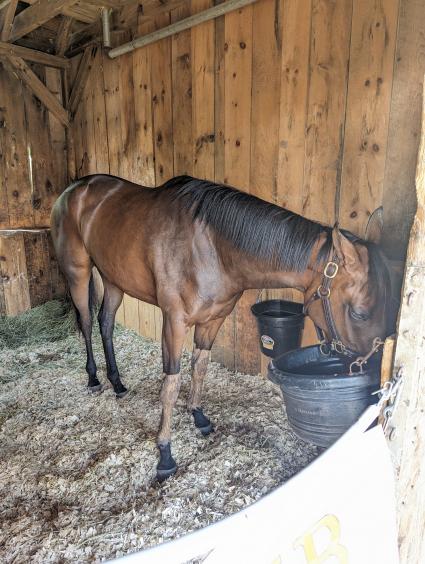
323 293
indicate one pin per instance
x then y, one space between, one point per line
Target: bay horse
192 247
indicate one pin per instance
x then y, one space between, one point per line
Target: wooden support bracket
8 49
83 72
28 77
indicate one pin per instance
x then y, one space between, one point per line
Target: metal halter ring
359 364
323 292
324 348
334 272
338 347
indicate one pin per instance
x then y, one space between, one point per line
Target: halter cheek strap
323 293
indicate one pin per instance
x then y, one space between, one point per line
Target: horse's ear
375 226
345 250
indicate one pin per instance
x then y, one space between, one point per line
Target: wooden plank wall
32 152
297 101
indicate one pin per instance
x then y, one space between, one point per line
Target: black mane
283 239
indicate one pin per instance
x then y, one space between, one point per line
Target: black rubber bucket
280 325
322 400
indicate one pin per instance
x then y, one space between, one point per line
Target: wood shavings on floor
77 471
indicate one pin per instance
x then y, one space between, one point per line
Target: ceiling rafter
36 15
9 14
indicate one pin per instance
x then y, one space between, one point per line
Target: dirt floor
77 471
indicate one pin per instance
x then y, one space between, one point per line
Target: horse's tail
92 295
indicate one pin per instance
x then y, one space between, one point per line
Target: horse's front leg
205 335
173 335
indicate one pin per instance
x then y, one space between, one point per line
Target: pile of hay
77 471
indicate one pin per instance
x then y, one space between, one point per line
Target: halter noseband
323 293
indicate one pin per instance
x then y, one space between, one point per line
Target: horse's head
350 294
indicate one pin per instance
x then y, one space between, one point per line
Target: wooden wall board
38 266
373 39
203 99
142 84
99 115
17 180
237 150
329 55
223 349
143 110
13 273
29 275
40 151
399 197
181 69
162 119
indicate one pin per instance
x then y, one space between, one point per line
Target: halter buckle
331 264
323 292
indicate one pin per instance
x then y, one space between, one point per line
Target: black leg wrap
202 422
94 385
120 391
167 465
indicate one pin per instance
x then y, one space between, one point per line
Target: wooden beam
408 437
177 27
29 78
8 20
36 15
34 56
64 33
83 12
83 72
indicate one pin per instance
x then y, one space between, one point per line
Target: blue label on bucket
268 342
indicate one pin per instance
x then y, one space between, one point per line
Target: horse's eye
359 315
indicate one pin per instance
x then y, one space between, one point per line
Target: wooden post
408 443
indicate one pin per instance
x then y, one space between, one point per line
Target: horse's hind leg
173 336
79 279
205 335
112 299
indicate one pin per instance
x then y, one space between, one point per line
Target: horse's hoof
94 389
167 465
202 422
122 394
206 430
162 475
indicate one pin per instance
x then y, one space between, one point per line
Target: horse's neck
251 272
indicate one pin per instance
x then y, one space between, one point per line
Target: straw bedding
77 471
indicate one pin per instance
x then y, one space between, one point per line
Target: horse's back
112 223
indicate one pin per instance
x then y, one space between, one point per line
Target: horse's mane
282 238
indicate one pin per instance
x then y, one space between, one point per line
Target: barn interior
300 103
314 105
